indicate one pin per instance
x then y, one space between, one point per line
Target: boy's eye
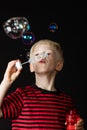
43 54
36 54
48 53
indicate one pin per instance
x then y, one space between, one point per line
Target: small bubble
53 27
28 38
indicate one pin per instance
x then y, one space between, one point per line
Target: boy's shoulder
25 88
65 95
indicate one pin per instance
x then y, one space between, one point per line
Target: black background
71 20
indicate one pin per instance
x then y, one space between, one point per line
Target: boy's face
46 64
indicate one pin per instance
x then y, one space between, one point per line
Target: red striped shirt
37 109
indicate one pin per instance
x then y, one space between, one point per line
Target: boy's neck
46 81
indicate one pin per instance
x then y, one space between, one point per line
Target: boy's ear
59 65
31 68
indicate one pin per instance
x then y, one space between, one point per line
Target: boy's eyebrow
45 50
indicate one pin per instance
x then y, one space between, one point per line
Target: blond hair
55 45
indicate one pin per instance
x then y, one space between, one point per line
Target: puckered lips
42 61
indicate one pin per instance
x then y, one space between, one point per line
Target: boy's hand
12 72
80 124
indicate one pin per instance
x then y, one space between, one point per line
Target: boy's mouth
42 61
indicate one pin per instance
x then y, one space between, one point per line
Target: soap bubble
53 27
16 26
28 38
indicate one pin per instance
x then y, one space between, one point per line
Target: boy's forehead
42 47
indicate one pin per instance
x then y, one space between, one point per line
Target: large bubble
35 58
15 27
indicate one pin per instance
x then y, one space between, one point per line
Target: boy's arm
10 75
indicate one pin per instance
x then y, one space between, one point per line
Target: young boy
41 106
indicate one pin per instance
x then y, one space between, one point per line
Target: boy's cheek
31 68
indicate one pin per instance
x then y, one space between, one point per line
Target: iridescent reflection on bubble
53 27
28 38
16 26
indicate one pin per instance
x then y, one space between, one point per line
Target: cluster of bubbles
19 27
15 27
